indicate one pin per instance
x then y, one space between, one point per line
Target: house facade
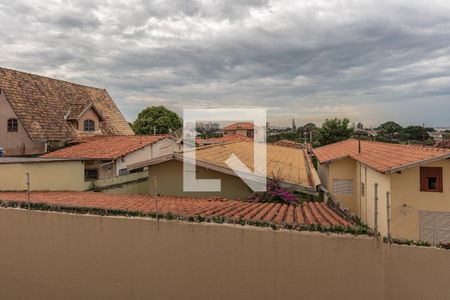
39 114
292 168
110 156
362 175
245 129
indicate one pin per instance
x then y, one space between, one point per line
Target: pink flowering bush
274 194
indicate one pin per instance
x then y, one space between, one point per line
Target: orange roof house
246 129
382 157
107 156
291 167
364 175
40 113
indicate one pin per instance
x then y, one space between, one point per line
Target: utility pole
155 193
375 221
388 212
28 189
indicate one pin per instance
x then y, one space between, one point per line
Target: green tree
417 135
334 130
389 132
156 119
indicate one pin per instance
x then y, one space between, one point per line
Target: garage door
434 226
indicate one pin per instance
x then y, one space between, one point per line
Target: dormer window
13 125
89 125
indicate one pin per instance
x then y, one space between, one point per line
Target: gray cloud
368 60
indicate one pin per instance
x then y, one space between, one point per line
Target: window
137 170
343 186
90 174
363 189
13 125
89 125
123 172
431 179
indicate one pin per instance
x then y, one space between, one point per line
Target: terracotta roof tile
41 104
276 213
225 139
239 125
286 164
105 147
290 144
382 157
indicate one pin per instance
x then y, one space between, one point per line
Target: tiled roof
225 139
105 147
305 214
239 125
286 164
443 144
288 143
41 104
382 157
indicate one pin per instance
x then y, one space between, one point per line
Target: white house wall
158 149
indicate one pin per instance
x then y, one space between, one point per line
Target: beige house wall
170 182
343 169
63 256
323 171
365 204
158 149
15 143
405 189
45 176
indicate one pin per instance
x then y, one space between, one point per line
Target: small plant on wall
274 194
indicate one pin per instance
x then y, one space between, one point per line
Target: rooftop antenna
358 133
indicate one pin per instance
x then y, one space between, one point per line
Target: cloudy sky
370 61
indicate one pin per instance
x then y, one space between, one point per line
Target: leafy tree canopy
334 130
156 119
390 127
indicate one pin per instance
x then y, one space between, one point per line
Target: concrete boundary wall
47 255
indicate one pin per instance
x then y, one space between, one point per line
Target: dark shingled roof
42 103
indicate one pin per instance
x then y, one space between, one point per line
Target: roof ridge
409 146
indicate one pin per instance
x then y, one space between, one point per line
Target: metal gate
434 226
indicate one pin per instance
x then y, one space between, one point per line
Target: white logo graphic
255 179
